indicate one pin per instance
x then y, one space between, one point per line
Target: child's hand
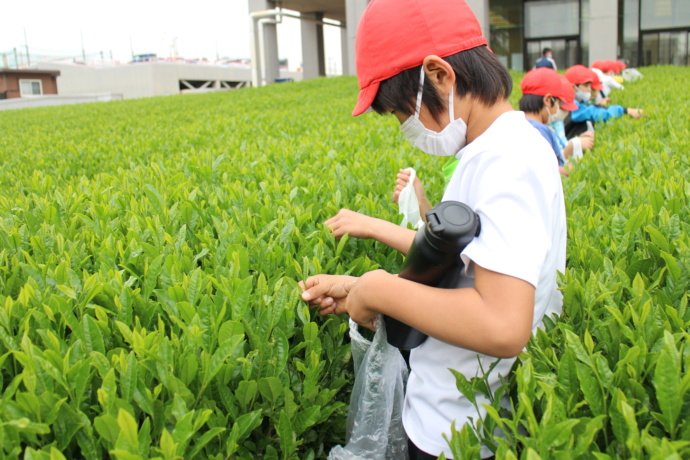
402 179
635 113
328 292
587 142
355 224
342 294
401 182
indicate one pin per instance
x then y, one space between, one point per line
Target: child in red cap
546 100
427 63
584 80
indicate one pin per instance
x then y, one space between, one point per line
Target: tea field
150 252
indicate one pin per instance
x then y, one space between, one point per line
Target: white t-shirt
510 177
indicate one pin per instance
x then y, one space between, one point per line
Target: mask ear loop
418 105
451 102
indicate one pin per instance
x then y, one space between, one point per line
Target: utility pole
26 44
83 52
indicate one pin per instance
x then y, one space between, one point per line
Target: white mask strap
418 106
451 110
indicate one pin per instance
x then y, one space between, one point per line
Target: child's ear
440 73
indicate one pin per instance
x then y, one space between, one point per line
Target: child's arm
360 226
493 318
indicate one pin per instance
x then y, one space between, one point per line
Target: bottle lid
451 225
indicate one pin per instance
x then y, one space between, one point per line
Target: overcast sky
201 28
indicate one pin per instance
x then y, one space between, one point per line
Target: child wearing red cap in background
575 147
427 63
544 100
584 80
606 71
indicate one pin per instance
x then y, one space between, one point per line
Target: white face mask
448 142
583 96
553 117
558 116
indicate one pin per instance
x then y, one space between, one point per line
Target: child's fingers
327 310
317 287
405 175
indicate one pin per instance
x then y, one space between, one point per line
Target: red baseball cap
396 35
543 81
620 65
610 66
568 94
596 82
599 65
579 74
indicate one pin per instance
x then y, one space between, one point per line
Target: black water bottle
434 260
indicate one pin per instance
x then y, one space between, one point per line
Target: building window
30 88
665 14
629 32
664 48
506 34
550 18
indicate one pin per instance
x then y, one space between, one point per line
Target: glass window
506 32
629 31
571 54
534 50
584 32
650 49
564 51
676 43
665 14
30 88
665 48
552 18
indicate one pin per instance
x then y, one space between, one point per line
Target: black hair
477 72
546 50
532 103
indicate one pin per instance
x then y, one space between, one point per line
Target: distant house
27 82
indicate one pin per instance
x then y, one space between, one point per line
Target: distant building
146 79
16 83
148 57
639 32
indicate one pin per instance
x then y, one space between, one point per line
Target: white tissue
577 148
408 203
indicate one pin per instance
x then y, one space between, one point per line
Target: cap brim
365 99
597 86
569 106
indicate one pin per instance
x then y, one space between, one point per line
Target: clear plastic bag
374 419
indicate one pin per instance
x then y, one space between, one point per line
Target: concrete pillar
353 12
480 8
268 42
345 52
603 30
313 52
